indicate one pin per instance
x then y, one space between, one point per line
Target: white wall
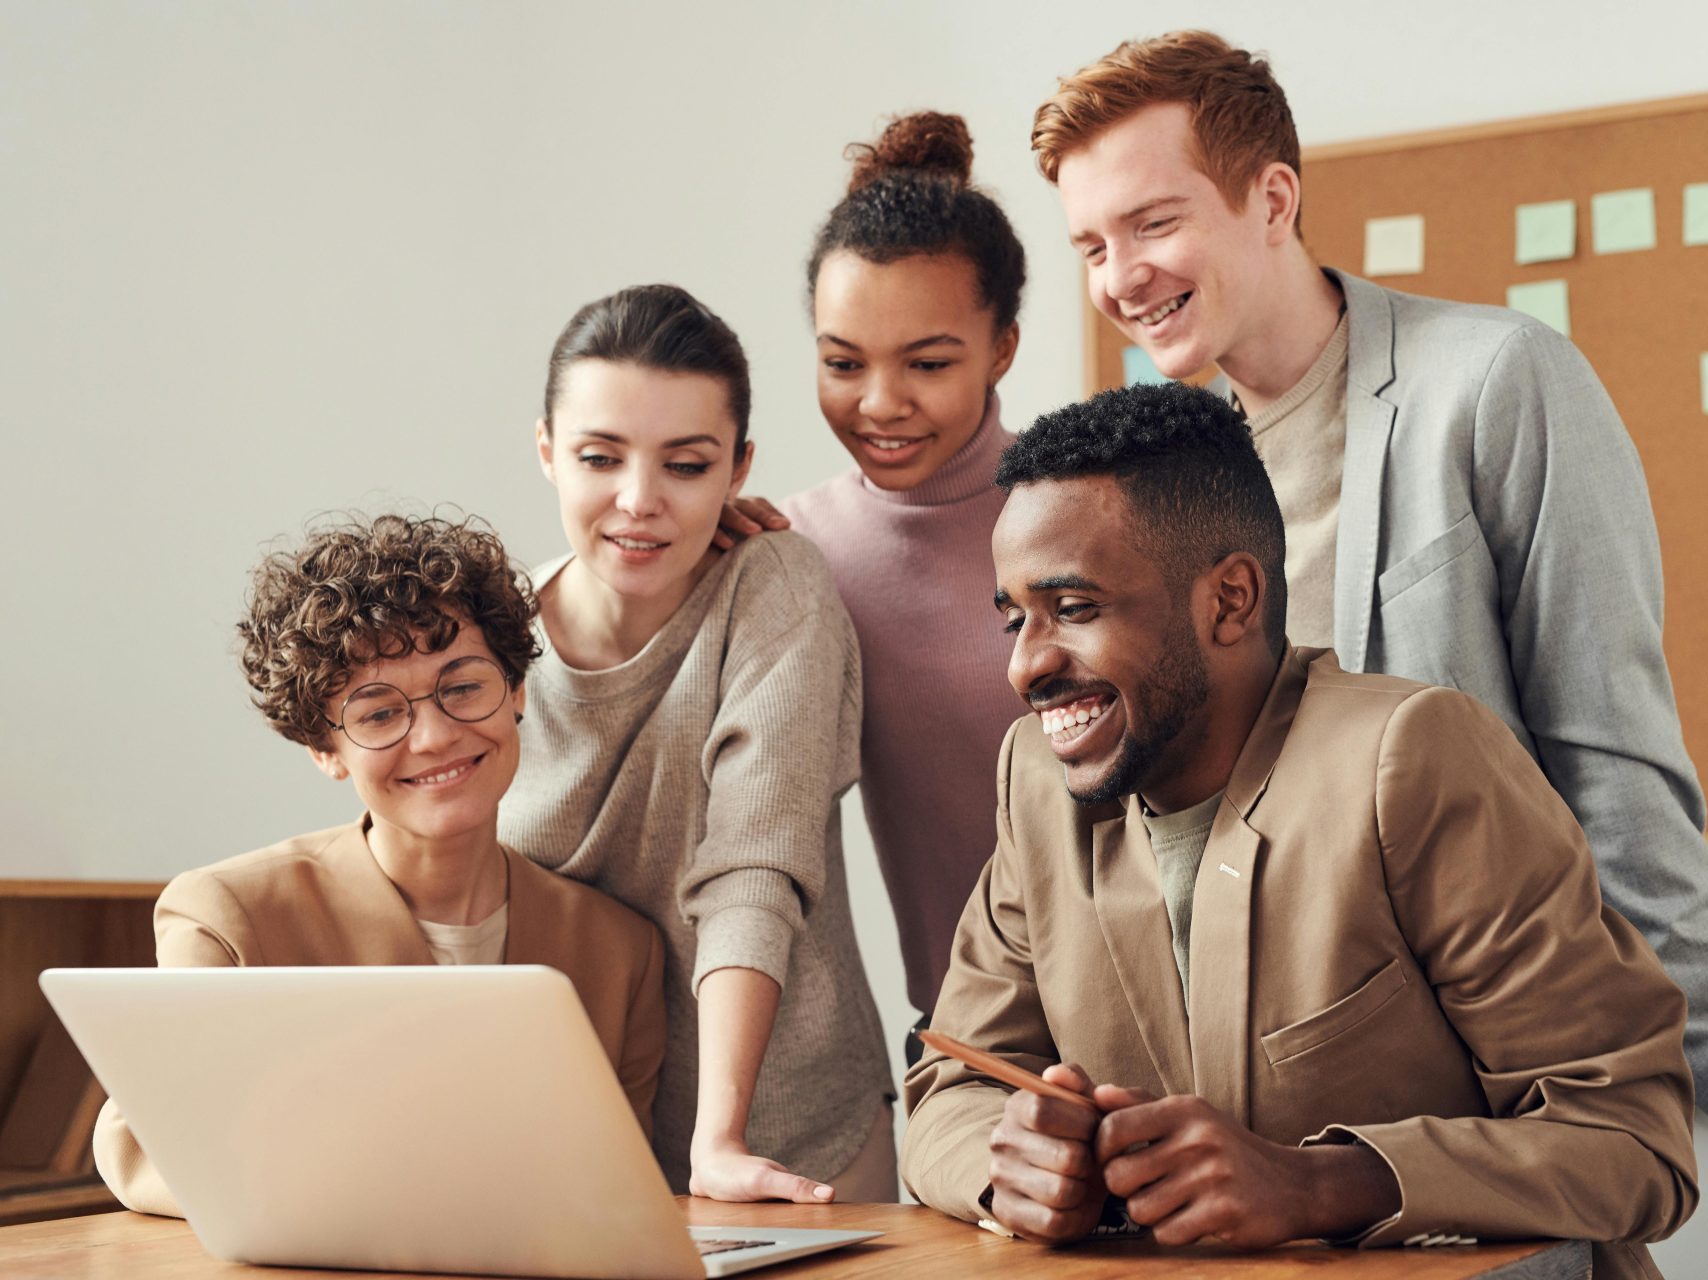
264 260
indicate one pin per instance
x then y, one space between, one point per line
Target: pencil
1006 1072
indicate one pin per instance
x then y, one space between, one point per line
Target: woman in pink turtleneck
915 280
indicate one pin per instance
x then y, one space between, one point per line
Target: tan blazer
1396 933
321 899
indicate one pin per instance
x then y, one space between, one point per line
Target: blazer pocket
1339 1017
1433 555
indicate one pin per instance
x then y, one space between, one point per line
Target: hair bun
925 142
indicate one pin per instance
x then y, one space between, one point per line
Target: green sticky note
1624 220
1544 299
1393 246
1138 367
1547 232
1705 382
1696 213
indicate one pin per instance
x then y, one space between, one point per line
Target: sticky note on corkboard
1544 299
1624 220
1393 246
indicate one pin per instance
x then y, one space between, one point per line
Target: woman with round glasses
693 725
395 651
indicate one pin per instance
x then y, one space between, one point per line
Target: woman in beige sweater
394 650
692 727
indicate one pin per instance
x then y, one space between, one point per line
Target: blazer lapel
536 934
1221 965
1369 423
1220 1026
381 928
1134 920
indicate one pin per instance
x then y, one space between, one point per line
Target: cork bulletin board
1641 317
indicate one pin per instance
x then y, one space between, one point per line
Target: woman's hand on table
728 1171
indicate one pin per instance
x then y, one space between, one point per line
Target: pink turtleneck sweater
914 570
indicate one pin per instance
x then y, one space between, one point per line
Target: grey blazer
1496 536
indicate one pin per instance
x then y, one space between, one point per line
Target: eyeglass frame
409 702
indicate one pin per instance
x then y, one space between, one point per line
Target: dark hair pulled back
656 326
910 194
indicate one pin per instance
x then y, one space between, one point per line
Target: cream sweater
699 783
1302 441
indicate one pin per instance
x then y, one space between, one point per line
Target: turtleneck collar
970 472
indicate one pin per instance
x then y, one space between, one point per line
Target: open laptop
460 1119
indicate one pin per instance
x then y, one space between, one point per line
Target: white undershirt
481 943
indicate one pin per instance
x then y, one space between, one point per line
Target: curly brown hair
365 589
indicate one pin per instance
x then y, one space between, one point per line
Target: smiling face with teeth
1105 653
1180 271
443 781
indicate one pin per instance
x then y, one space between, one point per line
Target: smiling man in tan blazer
1326 949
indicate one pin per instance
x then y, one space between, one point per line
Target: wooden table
917 1243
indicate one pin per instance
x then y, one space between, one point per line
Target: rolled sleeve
745 937
783 749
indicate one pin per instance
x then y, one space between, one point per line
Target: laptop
423 1118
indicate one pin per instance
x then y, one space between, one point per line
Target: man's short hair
1240 117
1197 488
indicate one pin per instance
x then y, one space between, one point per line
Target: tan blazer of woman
321 899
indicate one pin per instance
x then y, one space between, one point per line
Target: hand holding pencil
1046 1181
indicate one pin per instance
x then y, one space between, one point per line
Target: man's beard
1176 685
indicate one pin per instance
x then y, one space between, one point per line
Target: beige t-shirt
480 943
1178 840
1302 441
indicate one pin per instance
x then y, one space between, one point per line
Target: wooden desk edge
131 890
917 1242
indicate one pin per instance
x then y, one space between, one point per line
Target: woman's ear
1007 343
743 465
543 445
329 764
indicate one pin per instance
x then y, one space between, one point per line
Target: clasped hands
1184 1169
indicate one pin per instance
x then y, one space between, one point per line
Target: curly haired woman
394 650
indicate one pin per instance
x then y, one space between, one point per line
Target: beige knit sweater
699 783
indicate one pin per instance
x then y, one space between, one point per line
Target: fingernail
823 1192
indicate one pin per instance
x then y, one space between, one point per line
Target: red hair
1240 118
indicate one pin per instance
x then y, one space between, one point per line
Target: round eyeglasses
379 715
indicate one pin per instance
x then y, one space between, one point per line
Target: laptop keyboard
727 1246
